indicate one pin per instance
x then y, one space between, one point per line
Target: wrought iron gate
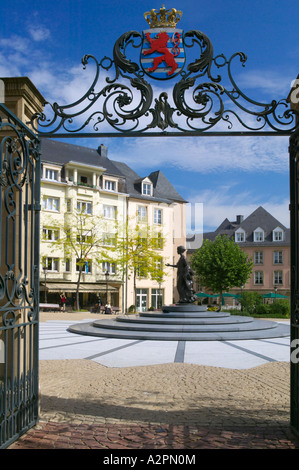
19 276
294 212
203 103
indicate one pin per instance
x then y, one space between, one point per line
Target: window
84 237
157 298
83 265
109 212
159 241
277 277
142 213
277 257
110 267
84 207
259 257
278 235
50 264
109 239
258 235
83 179
141 270
147 189
158 265
110 185
51 204
158 216
68 265
240 236
258 277
51 175
50 234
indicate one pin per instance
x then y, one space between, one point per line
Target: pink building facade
266 241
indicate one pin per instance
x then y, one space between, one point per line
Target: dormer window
239 235
51 175
278 235
110 185
147 187
258 235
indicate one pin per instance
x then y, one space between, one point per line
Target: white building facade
110 196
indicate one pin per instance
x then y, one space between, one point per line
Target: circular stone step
183 326
90 330
183 320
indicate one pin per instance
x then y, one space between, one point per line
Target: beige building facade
82 180
113 197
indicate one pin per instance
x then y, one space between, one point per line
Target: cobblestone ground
85 405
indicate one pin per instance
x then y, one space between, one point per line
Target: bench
101 309
49 306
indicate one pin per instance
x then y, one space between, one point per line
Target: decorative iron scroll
19 276
19 184
199 100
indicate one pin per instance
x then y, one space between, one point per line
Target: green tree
137 251
251 302
220 265
81 239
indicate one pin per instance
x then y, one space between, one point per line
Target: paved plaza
59 344
103 393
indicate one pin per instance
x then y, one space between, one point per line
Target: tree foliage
137 251
79 238
220 265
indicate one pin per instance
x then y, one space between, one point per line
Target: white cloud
39 33
208 154
275 83
226 203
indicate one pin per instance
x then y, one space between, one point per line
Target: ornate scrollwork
202 99
19 170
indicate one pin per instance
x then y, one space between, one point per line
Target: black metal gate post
294 208
19 276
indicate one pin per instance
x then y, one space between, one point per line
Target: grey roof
259 218
61 153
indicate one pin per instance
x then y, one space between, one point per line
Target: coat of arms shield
162 53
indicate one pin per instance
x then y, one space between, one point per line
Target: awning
72 287
202 294
271 295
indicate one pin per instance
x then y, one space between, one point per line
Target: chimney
103 151
240 219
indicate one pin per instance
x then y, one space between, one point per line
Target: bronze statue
184 278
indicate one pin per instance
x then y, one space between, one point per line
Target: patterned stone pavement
163 405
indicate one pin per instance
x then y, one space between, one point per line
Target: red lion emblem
160 45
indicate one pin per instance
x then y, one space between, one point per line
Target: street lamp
107 277
275 289
242 287
45 272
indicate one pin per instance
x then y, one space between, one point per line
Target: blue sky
45 41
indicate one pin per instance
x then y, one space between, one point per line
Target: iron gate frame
19 277
153 117
276 118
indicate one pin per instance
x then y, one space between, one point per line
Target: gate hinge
36 207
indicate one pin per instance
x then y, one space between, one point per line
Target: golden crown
164 18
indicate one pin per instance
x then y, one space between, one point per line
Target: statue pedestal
184 308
